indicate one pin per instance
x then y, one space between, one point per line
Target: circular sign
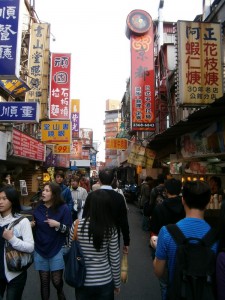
139 21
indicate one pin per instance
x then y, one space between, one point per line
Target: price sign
61 149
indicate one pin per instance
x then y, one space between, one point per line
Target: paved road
142 284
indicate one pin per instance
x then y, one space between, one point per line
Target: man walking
196 196
119 210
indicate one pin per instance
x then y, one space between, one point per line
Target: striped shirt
101 267
166 246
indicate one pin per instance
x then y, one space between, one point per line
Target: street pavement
141 285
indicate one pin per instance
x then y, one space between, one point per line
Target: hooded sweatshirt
170 211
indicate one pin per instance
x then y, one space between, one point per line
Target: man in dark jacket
59 177
119 210
170 211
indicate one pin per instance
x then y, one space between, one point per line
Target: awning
197 120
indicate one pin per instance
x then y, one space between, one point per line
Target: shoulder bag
75 271
16 260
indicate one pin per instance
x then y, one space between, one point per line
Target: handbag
75 271
17 260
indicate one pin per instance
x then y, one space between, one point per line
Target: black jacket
170 211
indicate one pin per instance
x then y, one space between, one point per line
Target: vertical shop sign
10 38
76 150
142 71
86 136
38 65
60 86
75 117
199 62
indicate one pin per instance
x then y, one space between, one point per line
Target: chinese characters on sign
55 132
60 87
75 117
116 143
19 112
86 136
142 82
39 65
26 146
10 39
76 150
200 62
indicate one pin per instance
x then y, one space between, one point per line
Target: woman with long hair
20 237
52 221
98 238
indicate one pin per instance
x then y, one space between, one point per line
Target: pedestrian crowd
187 245
101 219
187 249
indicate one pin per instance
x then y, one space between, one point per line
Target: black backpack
194 273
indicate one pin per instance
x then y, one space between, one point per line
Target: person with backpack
170 211
220 261
158 193
145 201
188 248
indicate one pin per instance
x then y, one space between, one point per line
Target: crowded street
112 160
142 283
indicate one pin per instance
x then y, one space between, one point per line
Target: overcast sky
94 33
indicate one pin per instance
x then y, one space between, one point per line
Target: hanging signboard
56 132
199 62
60 86
10 38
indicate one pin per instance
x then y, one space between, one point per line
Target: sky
94 33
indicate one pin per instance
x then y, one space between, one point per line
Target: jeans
14 288
100 292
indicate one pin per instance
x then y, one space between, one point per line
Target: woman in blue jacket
52 221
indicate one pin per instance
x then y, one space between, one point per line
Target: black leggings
57 281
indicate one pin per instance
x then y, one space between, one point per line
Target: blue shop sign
19 112
10 38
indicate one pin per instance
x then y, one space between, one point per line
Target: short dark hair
217 180
161 178
148 178
60 173
173 186
14 197
107 175
75 178
196 194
